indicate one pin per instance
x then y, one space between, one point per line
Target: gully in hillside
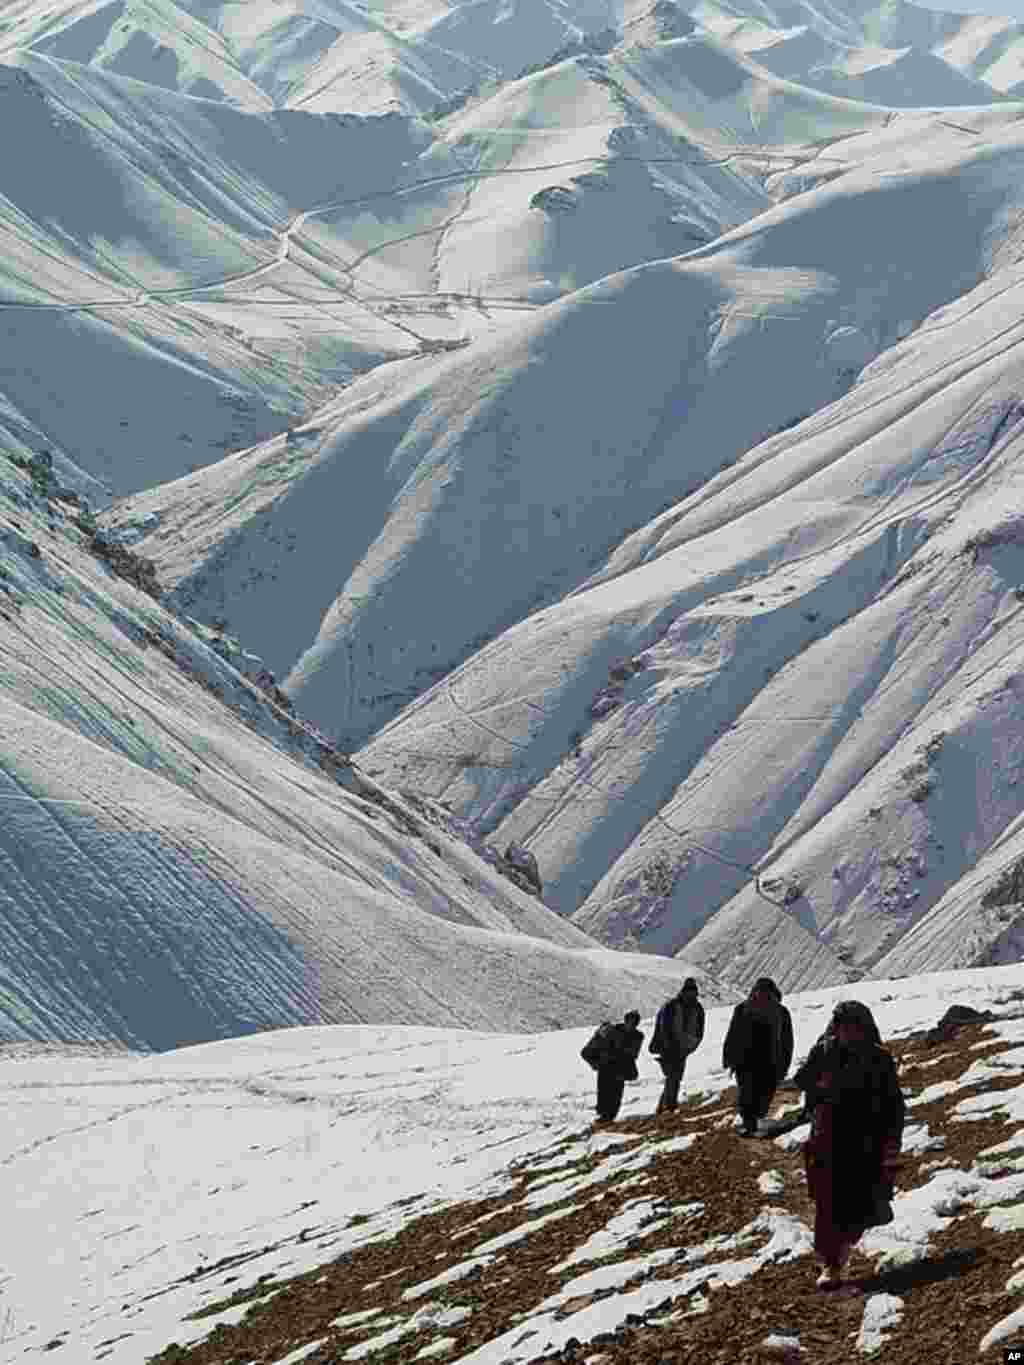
857 1111
758 1048
612 1053
678 1031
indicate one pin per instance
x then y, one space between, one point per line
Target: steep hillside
322 56
458 494
240 266
778 671
225 272
672 1240
897 77
185 858
931 45
166 300
621 455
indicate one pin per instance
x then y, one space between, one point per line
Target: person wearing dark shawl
857 1127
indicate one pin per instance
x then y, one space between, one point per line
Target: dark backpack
602 1046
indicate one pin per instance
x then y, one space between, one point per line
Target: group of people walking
852 1098
614 1049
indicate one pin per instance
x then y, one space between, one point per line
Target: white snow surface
882 1313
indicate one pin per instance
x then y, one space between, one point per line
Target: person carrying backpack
758 1048
612 1053
678 1031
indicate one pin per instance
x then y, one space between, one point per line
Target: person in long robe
851 1156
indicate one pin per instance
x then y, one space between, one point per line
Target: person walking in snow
851 1156
758 1048
678 1031
612 1052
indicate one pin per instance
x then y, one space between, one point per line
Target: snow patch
882 1313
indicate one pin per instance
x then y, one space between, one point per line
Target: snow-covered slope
801 629
167 300
315 55
896 77
186 257
988 48
724 98
458 494
233 266
893 51
623 460
331 1194
180 861
672 367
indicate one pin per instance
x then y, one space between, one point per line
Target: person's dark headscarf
856 1013
764 985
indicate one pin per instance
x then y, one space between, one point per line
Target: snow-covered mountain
157 278
200 278
340 56
618 461
644 629
184 858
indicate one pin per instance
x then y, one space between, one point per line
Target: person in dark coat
851 1155
618 1066
682 1035
758 1048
